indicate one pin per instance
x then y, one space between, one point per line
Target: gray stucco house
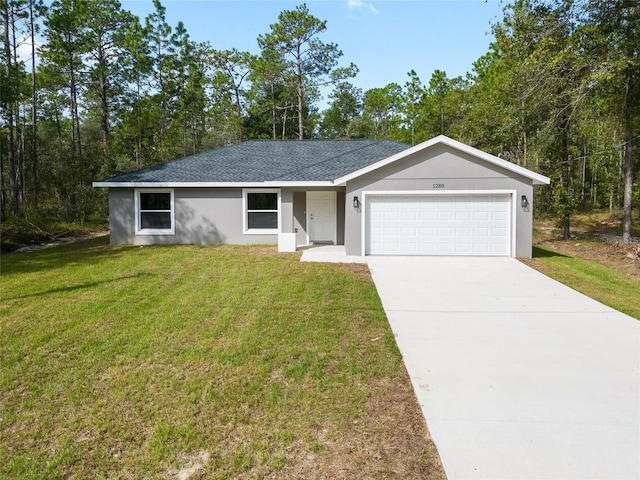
440 197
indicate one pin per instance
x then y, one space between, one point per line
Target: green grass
119 362
605 284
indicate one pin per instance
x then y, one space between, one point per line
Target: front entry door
321 217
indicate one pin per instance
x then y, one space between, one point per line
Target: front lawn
233 362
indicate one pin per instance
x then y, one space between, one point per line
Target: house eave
270 184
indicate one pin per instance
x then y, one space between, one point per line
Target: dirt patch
63 239
597 241
624 258
390 441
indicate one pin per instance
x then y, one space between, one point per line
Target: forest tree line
106 92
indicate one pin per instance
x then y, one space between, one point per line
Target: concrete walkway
518 376
328 254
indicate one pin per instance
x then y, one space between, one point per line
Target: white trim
381 193
154 231
334 211
211 184
260 231
442 139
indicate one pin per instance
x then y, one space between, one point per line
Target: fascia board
320 183
210 184
443 139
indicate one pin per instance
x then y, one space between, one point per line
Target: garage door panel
426 216
464 215
466 224
464 248
410 215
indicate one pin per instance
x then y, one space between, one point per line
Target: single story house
440 197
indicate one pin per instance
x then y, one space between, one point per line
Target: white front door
321 217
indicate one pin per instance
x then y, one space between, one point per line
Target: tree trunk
104 111
300 98
628 176
566 183
273 111
13 179
138 122
73 100
441 114
284 121
19 122
3 200
236 92
34 111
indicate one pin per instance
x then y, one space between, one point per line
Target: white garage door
461 224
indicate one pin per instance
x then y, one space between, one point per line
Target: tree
36 9
309 61
413 93
136 65
439 87
234 67
615 36
11 78
547 81
179 61
158 38
106 35
272 93
63 56
345 108
196 101
382 110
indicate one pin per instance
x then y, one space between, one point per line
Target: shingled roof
258 161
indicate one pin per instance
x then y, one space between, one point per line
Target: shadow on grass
93 250
541 252
72 288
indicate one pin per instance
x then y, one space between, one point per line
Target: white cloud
352 4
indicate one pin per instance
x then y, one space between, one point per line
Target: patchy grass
593 261
131 362
608 285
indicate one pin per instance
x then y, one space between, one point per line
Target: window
154 212
261 211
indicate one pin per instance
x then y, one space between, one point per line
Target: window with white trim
154 212
261 209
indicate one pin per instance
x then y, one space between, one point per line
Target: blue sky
385 39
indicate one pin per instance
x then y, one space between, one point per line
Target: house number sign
438 186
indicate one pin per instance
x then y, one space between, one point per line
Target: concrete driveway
518 376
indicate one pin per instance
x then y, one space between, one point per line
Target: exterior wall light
524 201
356 202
